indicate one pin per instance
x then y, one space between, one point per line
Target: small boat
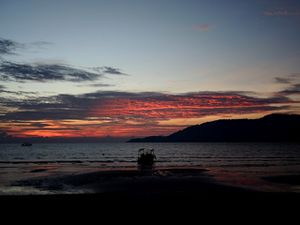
26 144
146 157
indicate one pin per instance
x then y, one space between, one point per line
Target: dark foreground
165 188
132 183
203 204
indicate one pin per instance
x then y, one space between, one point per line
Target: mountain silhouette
270 128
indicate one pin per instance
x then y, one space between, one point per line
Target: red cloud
176 106
127 114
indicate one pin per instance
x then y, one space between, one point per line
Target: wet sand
135 183
284 179
125 186
165 187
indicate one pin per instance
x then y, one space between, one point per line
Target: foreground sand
132 182
163 188
69 179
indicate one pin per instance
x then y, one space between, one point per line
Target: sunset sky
131 68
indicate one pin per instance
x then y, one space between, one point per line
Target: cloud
190 105
108 70
8 47
3 89
292 90
19 93
283 80
100 85
40 44
116 113
281 12
111 70
143 104
127 114
22 93
295 75
42 72
97 85
293 81
10 71
203 27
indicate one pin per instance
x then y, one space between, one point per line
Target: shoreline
163 187
131 182
181 190
51 179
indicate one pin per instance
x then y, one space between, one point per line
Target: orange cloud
172 107
129 114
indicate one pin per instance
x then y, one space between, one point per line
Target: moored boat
26 144
146 157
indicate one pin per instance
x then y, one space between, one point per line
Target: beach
164 188
181 168
131 182
80 187
164 185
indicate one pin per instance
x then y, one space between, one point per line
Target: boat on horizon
26 144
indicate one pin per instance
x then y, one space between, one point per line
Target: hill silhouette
270 128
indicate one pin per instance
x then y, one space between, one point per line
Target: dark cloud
124 113
144 105
283 80
109 70
292 90
101 85
52 108
3 89
22 72
19 93
97 85
8 47
38 125
10 71
293 84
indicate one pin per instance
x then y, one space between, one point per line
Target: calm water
239 163
168 154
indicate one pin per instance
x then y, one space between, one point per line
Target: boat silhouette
26 144
146 157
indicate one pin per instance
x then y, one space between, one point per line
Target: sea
240 164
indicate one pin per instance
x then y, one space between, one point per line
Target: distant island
270 128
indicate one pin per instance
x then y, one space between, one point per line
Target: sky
132 68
